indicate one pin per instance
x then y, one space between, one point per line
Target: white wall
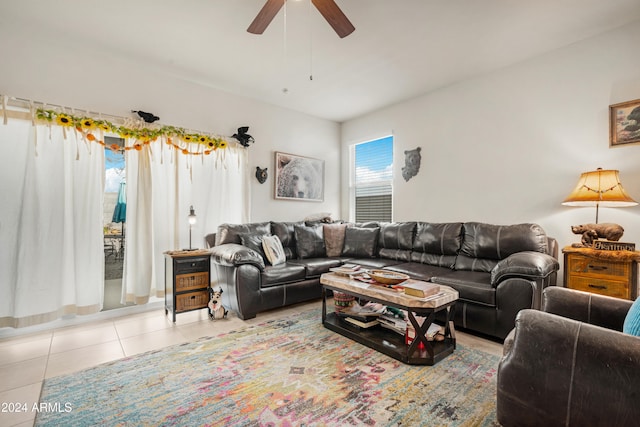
508 147
70 73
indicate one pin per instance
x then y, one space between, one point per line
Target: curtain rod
30 105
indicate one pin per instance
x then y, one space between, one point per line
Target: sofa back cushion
483 245
360 242
310 241
230 233
437 243
285 232
396 240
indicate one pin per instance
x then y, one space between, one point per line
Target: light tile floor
25 361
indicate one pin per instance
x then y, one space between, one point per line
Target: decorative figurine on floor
261 174
411 163
216 309
592 232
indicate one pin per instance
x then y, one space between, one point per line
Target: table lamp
599 188
192 221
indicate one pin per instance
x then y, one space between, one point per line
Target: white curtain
52 257
162 184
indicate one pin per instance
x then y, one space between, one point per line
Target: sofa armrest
527 264
595 309
559 371
233 255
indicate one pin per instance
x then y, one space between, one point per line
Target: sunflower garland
143 136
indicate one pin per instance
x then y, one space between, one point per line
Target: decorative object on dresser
624 123
598 188
192 221
186 281
611 273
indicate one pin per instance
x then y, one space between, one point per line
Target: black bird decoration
147 117
243 137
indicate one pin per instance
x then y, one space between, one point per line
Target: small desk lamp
599 188
192 221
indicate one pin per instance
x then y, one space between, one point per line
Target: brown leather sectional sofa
498 270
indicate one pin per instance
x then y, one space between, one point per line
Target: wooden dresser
187 276
611 273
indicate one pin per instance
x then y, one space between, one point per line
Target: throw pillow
360 242
273 250
631 324
253 241
309 242
334 238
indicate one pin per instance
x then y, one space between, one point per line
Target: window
373 180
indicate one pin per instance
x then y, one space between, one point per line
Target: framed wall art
299 178
624 123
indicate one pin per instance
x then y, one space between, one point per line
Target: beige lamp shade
599 187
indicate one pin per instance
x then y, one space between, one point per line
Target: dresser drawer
190 281
599 286
191 265
192 301
599 268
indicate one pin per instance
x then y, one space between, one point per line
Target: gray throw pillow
309 242
360 242
253 241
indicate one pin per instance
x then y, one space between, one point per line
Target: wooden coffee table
388 342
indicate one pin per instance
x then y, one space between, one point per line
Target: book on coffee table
362 324
420 289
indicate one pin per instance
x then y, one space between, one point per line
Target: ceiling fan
327 8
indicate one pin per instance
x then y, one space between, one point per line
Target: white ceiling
400 49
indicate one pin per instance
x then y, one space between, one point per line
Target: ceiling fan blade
265 16
334 16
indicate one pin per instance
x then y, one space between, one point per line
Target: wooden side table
186 285
611 273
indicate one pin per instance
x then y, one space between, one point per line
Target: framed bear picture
299 178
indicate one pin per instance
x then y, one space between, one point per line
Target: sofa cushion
472 286
309 241
273 250
437 243
395 240
317 266
438 238
360 242
334 238
499 241
229 233
396 235
631 324
286 234
253 241
371 262
274 275
419 271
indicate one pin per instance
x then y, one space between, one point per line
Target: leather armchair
570 364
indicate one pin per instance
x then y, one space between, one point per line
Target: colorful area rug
288 372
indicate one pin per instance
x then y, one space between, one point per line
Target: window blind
374 180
